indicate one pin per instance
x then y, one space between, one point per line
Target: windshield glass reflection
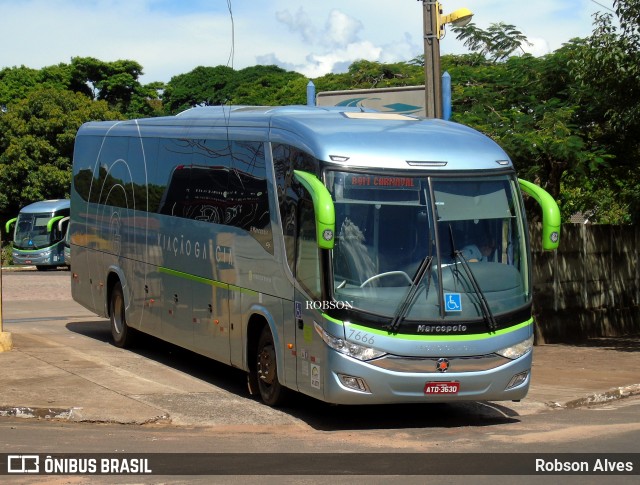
388 226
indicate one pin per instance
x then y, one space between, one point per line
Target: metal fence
590 286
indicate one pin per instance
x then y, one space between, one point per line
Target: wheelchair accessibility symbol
453 302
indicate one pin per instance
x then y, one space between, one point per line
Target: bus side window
307 252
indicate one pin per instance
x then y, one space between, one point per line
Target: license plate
28 261
441 387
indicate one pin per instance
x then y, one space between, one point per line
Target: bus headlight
518 350
356 351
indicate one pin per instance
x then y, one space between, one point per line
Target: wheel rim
118 324
267 365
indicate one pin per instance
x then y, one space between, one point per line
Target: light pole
6 342
433 23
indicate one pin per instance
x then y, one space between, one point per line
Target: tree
116 82
607 70
220 85
258 85
498 42
203 86
37 134
526 104
17 82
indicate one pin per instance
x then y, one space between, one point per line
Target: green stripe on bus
205 281
29 251
434 338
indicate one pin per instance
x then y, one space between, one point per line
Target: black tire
271 391
121 333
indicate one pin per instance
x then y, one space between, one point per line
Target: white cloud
300 23
342 30
538 47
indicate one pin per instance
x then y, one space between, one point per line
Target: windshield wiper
425 266
484 304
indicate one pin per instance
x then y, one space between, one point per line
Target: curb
613 394
76 415
39 413
71 414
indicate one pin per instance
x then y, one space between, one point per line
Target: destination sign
380 181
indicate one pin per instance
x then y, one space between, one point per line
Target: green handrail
550 214
323 208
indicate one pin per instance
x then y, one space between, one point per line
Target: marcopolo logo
329 305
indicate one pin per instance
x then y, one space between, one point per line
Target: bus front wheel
121 333
271 391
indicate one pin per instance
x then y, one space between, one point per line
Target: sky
172 37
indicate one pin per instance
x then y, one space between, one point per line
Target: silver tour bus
38 236
355 257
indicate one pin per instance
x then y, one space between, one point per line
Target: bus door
308 304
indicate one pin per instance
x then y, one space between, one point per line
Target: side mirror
7 226
323 208
52 221
550 214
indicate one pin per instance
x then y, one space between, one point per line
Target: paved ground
75 373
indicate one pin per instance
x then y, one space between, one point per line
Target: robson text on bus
355 257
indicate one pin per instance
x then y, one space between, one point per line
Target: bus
38 237
320 250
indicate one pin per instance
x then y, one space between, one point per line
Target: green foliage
607 85
116 83
498 42
260 85
220 85
204 86
7 252
570 120
36 144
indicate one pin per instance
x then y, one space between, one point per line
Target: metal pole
311 94
6 342
1 283
446 96
432 81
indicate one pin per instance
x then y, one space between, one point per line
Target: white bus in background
321 250
39 232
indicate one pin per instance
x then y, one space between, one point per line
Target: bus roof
352 136
45 206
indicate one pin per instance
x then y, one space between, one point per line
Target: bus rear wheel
271 391
121 333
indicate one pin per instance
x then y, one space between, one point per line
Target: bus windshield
429 247
31 231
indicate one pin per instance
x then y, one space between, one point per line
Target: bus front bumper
35 258
355 382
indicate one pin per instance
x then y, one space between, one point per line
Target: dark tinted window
248 197
205 180
286 159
